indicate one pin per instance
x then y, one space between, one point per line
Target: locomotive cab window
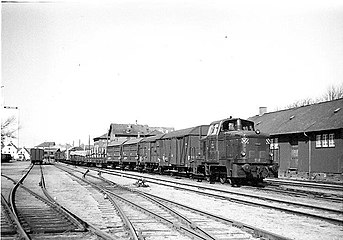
230 125
238 124
213 130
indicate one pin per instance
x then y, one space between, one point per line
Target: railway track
197 224
37 216
301 192
315 185
330 192
8 224
333 215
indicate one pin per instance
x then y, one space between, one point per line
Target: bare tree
7 129
333 93
300 103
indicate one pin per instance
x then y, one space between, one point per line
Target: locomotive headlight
243 154
271 154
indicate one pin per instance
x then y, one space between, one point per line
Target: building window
331 140
274 143
318 141
325 139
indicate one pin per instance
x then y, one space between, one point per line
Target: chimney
263 110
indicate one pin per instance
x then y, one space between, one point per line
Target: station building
306 141
49 150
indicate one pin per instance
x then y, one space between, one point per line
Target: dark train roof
193 131
116 143
311 118
132 141
152 138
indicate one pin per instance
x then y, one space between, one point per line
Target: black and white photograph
172 119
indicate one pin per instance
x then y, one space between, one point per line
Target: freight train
229 150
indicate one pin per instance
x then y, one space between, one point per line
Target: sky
73 68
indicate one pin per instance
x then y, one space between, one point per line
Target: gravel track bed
288 225
256 191
82 200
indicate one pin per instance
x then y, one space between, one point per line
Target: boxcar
130 153
114 153
149 154
180 148
37 155
5 157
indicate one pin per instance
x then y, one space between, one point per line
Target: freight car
6 157
229 150
37 155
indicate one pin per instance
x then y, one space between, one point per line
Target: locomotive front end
255 160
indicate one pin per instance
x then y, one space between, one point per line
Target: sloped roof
153 138
11 144
76 149
128 129
104 136
193 131
117 142
316 117
133 141
132 130
46 144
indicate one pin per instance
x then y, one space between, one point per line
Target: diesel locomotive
229 150
234 151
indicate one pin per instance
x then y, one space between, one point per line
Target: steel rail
326 186
134 234
157 181
190 223
234 199
84 225
58 207
187 229
19 228
247 228
11 202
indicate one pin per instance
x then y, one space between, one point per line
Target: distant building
24 154
306 140
128 131
11 149
100 145
49 150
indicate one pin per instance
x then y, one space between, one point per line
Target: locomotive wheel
222 180
232 182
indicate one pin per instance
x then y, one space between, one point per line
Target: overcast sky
72 68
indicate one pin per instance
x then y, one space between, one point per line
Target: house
11 149
128 131
49 150
24 154
308 140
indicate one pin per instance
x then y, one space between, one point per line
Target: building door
294 156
